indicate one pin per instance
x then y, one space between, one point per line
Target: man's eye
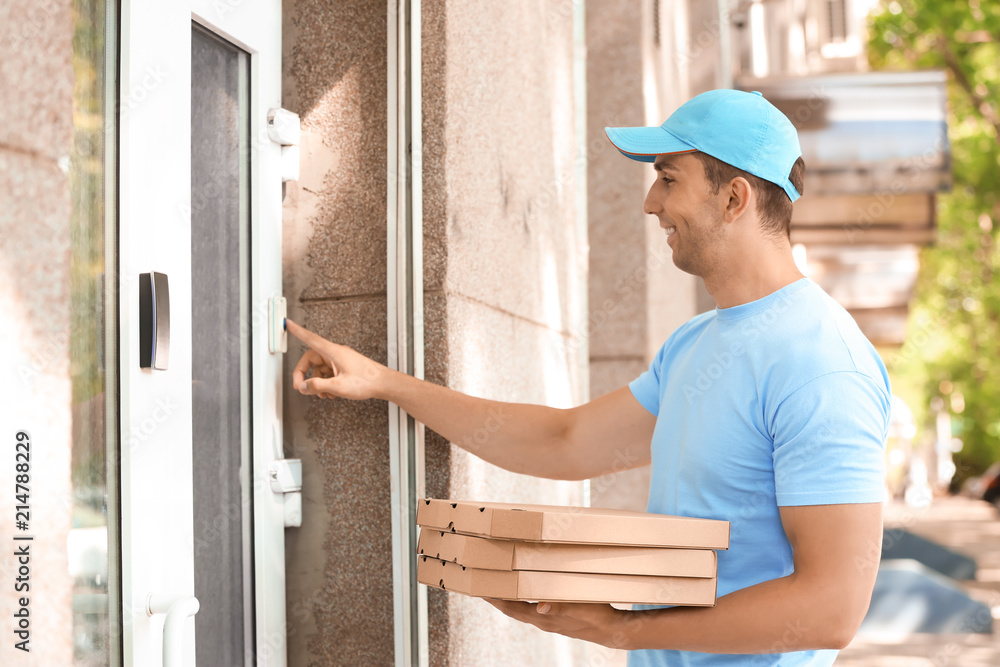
667 180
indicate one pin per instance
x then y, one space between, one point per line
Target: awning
876 150
869 132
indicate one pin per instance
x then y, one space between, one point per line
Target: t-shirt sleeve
646 387
829 441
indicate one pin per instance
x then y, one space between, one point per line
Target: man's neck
753 277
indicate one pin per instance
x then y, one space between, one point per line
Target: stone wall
503 263
637 296
339 563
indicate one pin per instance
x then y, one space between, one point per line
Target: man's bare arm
611 433
819 606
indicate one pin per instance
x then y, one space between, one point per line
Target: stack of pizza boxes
567 554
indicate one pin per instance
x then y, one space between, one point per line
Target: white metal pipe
416 323
404 303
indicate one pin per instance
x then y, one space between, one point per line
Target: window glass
220 349
94 584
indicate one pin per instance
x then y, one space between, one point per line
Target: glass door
220 350
200 258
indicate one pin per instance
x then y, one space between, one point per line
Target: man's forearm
529 439
776 616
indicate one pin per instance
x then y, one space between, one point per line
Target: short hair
773 204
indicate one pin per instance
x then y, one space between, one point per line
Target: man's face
683 201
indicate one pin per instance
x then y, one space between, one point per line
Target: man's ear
740 194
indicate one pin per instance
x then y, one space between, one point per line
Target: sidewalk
970 527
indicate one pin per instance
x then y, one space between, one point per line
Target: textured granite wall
36 85
502 273
339 567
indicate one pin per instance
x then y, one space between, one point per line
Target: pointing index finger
308 337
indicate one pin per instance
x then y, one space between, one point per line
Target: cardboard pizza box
582 525
491 554
531 586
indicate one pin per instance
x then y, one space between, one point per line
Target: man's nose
651 206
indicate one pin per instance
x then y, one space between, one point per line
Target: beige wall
36 84
619 276
500 204
637 296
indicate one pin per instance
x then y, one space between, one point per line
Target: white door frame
154 235
405 320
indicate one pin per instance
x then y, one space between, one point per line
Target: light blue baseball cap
741 129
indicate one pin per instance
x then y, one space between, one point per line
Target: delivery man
770 411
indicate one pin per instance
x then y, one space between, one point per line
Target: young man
770 411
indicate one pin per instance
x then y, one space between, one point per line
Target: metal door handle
177 608
154 321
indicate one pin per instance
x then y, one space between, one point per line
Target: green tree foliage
954 336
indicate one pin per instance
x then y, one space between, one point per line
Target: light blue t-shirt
780 401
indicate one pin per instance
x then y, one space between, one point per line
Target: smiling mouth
670 230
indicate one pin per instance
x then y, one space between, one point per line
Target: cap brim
645 143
